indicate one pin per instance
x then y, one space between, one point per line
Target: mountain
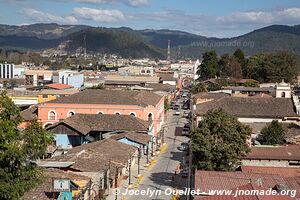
41 31
160 38
105 40
267 39
146 43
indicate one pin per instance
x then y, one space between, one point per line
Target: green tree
251 83
219 141
209 66
233 69
199 87
273 67
17 149
214 87
100 86
273 133
166 104
240 56
223 64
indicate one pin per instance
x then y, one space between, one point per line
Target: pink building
142 104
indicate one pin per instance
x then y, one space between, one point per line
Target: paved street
161 176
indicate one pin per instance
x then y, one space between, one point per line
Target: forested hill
147 43
119 42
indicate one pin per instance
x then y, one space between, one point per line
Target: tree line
264 67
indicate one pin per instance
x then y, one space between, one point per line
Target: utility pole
169 50
152 147
116 181
147 153
139 157
129 178
84 41
108 175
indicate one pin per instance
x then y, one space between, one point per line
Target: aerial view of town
149 100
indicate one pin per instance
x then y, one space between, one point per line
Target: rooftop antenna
179 53
84 43
169 50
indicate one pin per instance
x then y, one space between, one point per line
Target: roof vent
280 187
259 182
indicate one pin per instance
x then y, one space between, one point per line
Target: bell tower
283 90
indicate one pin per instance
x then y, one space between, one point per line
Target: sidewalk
135 180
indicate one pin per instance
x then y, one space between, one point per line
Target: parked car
186 129
183 147
177 113
176 107
184 173
185 132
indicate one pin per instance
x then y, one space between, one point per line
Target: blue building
72 78
80 129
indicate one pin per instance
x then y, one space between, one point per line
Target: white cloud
134 3
138 3
99 15
39 16
220 26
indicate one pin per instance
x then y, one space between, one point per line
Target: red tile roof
288 152
206 181
247 187
44 191
59 86
282 171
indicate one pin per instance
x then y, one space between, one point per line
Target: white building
19 71
72 78
283 90
250 109
7 70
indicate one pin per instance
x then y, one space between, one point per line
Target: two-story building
145 105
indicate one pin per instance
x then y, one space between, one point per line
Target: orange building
142 104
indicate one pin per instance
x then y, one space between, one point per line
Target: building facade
72 78
145 105
7 70
37 77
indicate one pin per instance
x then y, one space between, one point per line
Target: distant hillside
160 38
27 42
143 43
268 39
41 31
118 42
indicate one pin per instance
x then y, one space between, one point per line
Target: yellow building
48 95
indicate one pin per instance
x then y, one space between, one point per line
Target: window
100 113
132 114
283 94
71 113
150 117
52 115
117 113
148 71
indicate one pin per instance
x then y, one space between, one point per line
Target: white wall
170 82
266 163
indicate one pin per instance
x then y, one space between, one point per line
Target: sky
211 18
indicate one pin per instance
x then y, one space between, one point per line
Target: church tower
283 90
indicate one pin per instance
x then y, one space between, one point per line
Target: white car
177 113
